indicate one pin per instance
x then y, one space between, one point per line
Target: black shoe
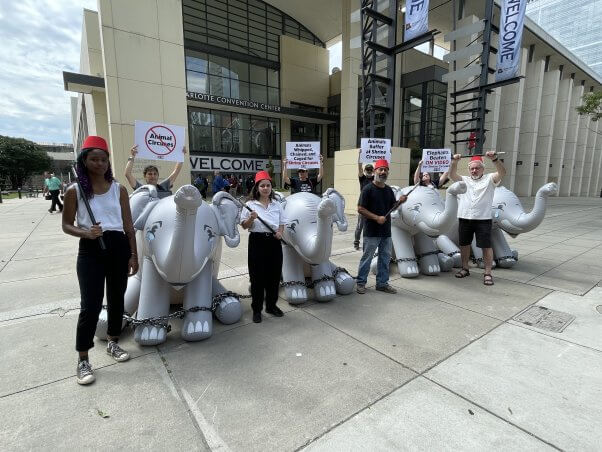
257 317
275 311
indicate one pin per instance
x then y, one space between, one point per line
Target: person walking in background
365 176
304 183
265 249
219 183
249 183
201 183
110 205
53 186
376 200
474 210
151 175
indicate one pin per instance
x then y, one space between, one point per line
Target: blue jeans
370 244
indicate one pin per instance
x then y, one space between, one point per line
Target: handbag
48 197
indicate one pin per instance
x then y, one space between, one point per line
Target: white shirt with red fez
476 203
273 215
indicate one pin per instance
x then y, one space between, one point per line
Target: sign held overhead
435 160
303 154
374 149
158 141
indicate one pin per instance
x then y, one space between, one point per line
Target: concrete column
572 132
561 122
143 59
580 155
595 186
350 72
545 130
529 126
588 160
511 101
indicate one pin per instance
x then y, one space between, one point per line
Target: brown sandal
487 279
463 273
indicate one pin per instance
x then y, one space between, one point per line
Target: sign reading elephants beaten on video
374 149
435 160
159 141
304 154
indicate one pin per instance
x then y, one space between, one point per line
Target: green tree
20 158
592 105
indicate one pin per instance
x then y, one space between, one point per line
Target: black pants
361 220
94 267
265 267
479 228
55 200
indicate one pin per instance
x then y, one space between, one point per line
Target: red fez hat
476 158
262 175
382 163
95 142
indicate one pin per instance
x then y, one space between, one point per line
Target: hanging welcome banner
417 19
511 34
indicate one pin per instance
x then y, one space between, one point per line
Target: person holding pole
151 175
365 175
474 210
264 218
376 203
107 249
304 183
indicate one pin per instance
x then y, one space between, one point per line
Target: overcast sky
39 39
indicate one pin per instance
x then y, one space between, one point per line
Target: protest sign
374 149
159 141
435 160
305 154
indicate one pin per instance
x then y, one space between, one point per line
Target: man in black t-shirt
365 176
376 200
304 183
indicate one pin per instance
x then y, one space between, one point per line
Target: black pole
261 220
82 195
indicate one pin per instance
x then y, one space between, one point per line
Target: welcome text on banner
511 35
417 18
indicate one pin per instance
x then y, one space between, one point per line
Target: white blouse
106 209
273 215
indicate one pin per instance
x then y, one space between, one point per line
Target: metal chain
430 253
498 259
453 253
477 260
312 284
163 321
406 259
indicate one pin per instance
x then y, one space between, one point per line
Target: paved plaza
442 365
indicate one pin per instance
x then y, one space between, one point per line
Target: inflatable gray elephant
308 234
508 215
179 247
415 225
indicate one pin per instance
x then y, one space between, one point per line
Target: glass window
259 93
219 86
273 96
239 70
196 82
258 74
196 61
218 66
273 76
239 90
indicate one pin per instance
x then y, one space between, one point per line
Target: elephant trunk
442 221
526 222
181 259
317 246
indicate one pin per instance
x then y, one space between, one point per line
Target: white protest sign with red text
159 141
435 160
303 154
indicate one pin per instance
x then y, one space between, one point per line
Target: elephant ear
142 202
227 213
340 219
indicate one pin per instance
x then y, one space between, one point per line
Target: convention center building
246 76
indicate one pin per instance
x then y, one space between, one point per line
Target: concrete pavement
442 365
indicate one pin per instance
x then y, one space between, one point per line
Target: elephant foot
325 291
457 259
150 334
431 270
296 294
344 283
507 262
408 270
229 310
515 254
102 326
445 262
197 326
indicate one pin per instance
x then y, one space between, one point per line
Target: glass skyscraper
576 24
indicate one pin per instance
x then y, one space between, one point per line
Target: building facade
246 76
